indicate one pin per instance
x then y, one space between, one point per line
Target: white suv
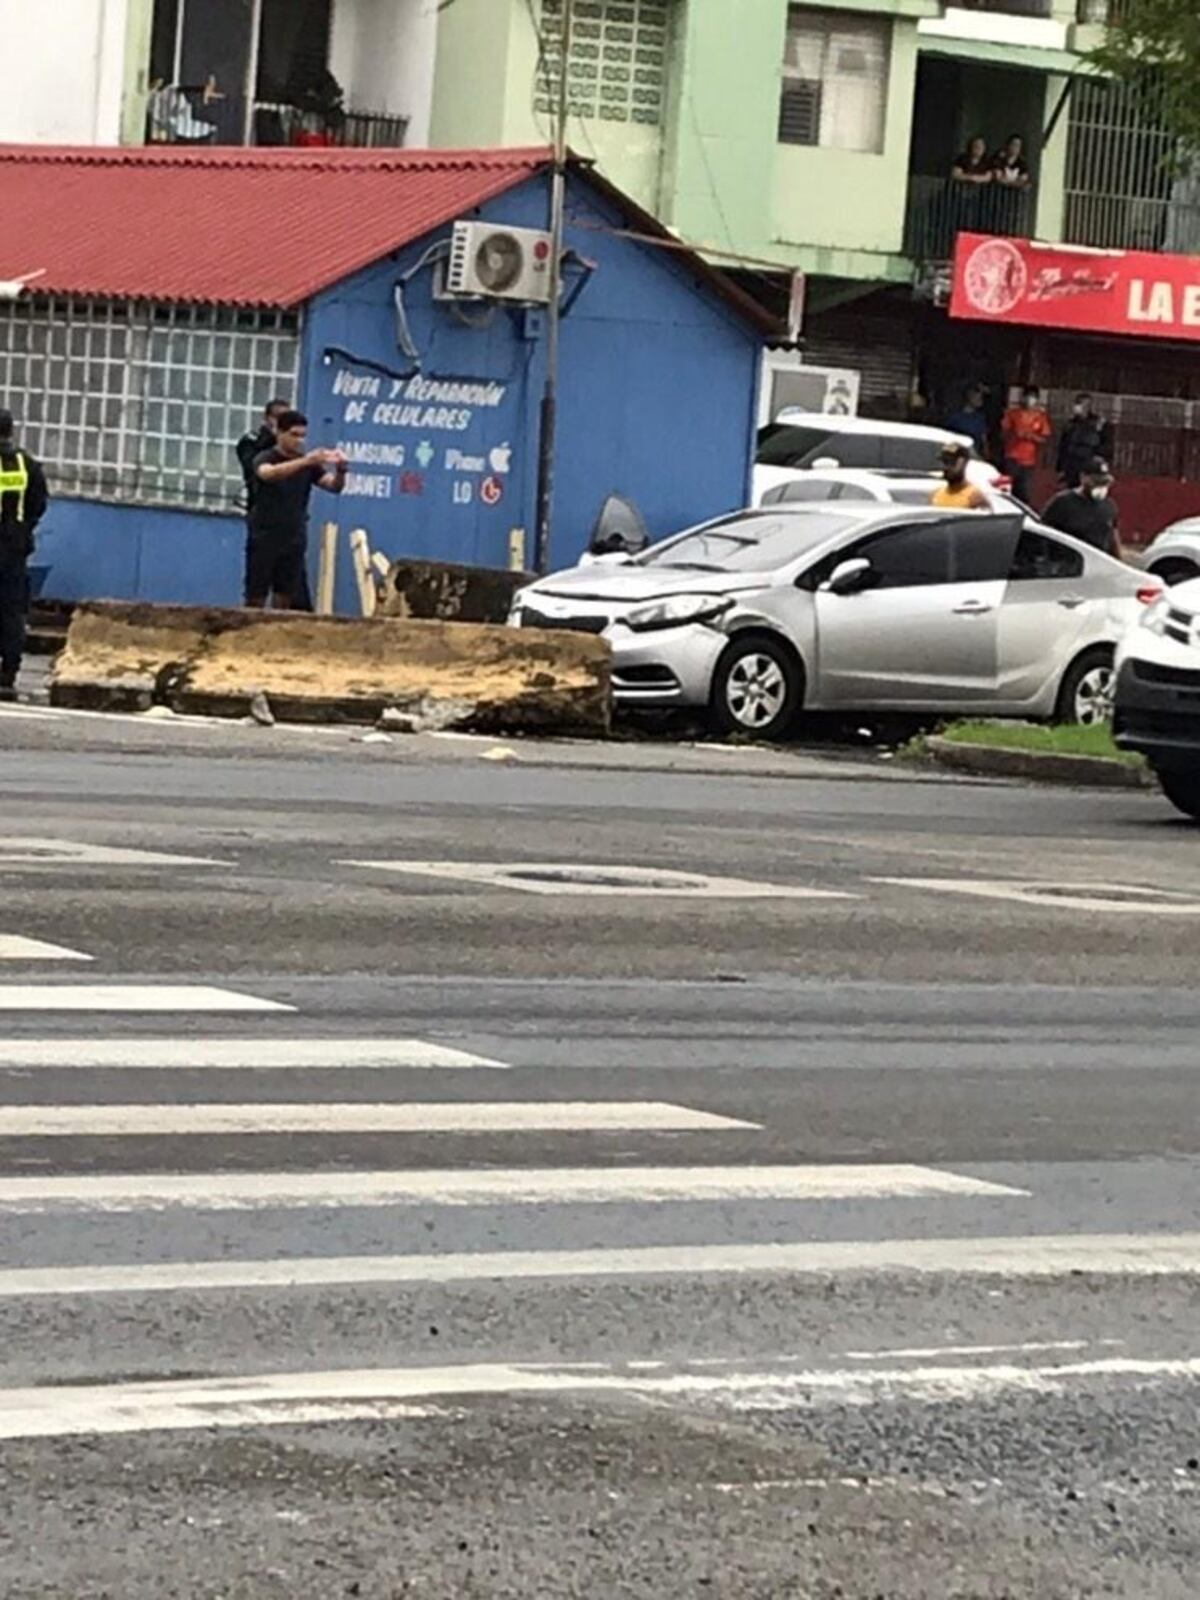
799 441
1157 705
889 488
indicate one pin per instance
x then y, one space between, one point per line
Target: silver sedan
854 608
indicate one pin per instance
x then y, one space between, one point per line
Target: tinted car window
803 489
983 548
851 450
1040 556
907 558
759 543
782 445
910 455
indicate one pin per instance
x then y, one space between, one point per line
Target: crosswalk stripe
23 850
517 1116
15 948
379 1394
1044 1256
177 997
243 1191
260 1054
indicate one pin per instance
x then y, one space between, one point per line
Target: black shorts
275 566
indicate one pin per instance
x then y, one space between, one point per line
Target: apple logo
500 458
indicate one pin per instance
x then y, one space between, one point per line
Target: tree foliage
1154 47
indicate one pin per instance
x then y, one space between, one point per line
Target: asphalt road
409 1185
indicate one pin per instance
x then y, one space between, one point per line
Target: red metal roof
229 226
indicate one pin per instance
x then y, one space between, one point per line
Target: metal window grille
617 68
132 401
1124 189
835 80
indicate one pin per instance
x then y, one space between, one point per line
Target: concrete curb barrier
121 656
1037 766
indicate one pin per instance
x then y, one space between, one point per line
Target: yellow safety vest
15 480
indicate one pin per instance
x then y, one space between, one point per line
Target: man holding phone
285 476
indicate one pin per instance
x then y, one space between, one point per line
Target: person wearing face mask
1025 428
1085 437
1088 512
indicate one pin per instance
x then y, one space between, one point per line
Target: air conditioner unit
788 382
492 262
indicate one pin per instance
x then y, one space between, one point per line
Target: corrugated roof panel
229 226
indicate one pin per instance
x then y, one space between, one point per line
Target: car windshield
747 544
782 445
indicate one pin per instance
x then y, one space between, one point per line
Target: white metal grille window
131 401
617 69
835 80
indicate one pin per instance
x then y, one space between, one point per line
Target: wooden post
327 570
360 554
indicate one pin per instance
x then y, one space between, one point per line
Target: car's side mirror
848 576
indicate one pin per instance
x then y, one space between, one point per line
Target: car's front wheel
1182 789
758 687
1086 695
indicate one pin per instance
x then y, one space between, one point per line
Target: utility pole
558 203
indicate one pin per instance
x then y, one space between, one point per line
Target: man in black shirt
252 444
1085 436
1086 512
284 476
23 500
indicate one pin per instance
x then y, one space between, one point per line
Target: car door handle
1070 601
973 608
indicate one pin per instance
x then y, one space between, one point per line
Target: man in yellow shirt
956 493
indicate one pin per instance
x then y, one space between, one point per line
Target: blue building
171 293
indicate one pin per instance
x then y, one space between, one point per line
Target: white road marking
259 1054
274 1399
22 851
15 948
578 878
1018 1257
243 1191
181 998
516 1116
928 1352
1106 897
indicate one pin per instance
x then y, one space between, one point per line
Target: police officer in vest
23 499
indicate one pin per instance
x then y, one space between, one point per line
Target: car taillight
1148 593
1003 483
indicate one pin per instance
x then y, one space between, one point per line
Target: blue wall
657 402
657 399
98 551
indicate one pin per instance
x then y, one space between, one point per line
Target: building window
617 69
129 401
835 80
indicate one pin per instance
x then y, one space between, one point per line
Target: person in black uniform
285 476
249 447
23 501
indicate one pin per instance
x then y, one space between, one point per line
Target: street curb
1037 766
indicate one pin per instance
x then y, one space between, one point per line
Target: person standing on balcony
1085 437
1010 173
972 164
1025 428
970 176
23 500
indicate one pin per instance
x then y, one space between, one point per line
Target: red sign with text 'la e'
1091 291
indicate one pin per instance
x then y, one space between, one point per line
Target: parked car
854 606
886 486
1174 555
1157 709
798 441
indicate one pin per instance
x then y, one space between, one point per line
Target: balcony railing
939 209
1099 13
1127 222
188 117
1011 8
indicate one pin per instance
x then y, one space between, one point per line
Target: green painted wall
139 18
715 171
475 88
849 199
